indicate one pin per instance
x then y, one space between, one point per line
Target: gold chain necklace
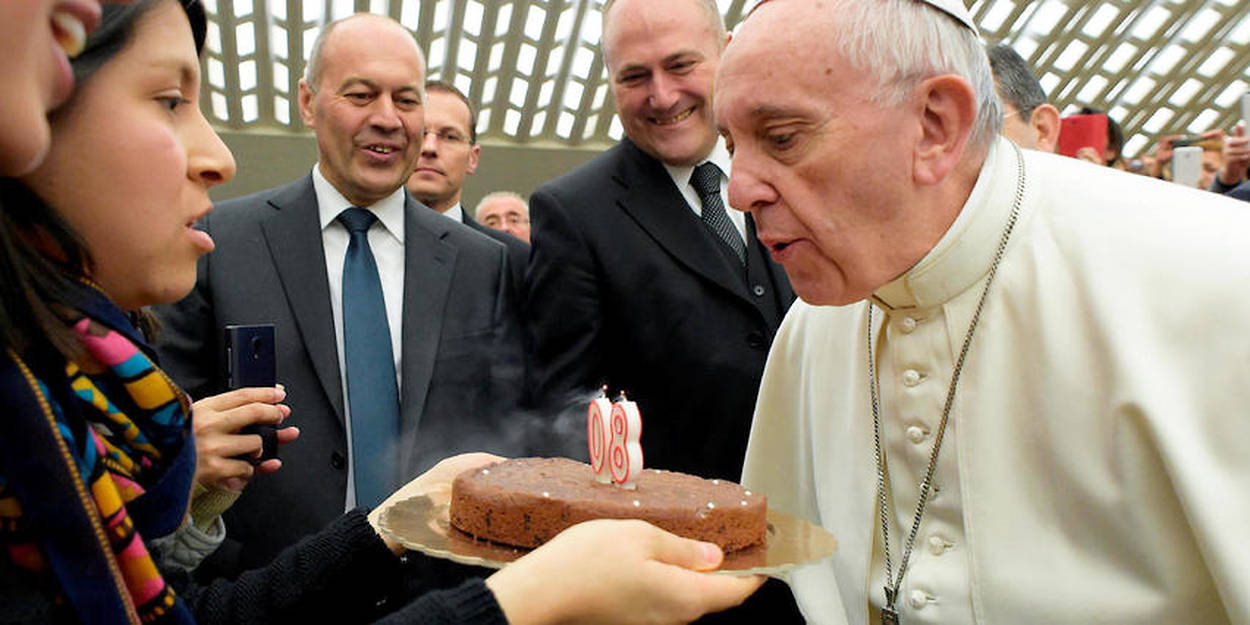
889 613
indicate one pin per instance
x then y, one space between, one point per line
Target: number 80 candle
612 433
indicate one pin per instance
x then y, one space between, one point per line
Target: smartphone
1187 165
1079 131
1206 143
1245 108
251 361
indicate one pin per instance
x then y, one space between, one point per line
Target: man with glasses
449 154
396 330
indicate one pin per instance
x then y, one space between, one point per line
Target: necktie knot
357 219
706 179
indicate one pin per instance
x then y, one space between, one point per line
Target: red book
1078 131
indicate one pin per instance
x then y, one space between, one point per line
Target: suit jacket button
337 460
758 290
755 340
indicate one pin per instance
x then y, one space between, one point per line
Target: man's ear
475 153
1045 123
305 104
947 108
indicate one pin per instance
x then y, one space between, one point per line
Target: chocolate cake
527 501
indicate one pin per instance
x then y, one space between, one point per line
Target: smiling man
393 323
639 276
1013 384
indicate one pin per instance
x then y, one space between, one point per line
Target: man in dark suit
449 155
640 278
434 367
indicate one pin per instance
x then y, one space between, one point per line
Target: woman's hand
617 572
217 421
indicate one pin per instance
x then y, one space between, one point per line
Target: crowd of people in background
789 308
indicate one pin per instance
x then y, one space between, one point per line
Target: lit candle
597 428
625 450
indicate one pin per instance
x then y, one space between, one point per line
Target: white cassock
1096 467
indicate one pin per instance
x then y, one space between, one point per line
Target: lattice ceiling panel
534 69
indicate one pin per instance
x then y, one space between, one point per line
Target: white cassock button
938 545
918 599
911 377
916 434
907 325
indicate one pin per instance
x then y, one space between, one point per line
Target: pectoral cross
889 616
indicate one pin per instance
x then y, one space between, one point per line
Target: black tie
706 181
372 391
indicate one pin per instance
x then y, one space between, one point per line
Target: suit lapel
293 234
661 210
429 262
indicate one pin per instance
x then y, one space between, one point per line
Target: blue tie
371 389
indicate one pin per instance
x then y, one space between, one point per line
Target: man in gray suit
440 343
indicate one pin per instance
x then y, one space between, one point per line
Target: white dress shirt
386 240
455 213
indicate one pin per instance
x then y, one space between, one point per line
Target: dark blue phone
251 361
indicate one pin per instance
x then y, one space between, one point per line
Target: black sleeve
471 603
1218 186
563 308
343 574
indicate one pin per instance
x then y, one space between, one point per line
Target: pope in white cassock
1035 370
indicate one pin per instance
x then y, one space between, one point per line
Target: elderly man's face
661 65
508 214
367 110
820 167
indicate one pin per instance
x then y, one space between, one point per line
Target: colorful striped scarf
114 438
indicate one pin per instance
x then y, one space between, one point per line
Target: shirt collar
455 213
964 254
719 155
389 210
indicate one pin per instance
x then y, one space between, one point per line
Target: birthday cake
527 501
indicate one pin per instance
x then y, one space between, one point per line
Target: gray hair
316 65
715 20
903 42
1017 85
499 195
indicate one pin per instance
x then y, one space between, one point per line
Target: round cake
527 501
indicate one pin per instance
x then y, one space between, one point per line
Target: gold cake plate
421 524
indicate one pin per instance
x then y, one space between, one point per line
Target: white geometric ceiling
534 70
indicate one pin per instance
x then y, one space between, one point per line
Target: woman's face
131 163
36 37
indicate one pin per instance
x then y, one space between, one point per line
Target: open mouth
676 119
381 149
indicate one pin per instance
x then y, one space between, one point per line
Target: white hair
499 195
903 42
